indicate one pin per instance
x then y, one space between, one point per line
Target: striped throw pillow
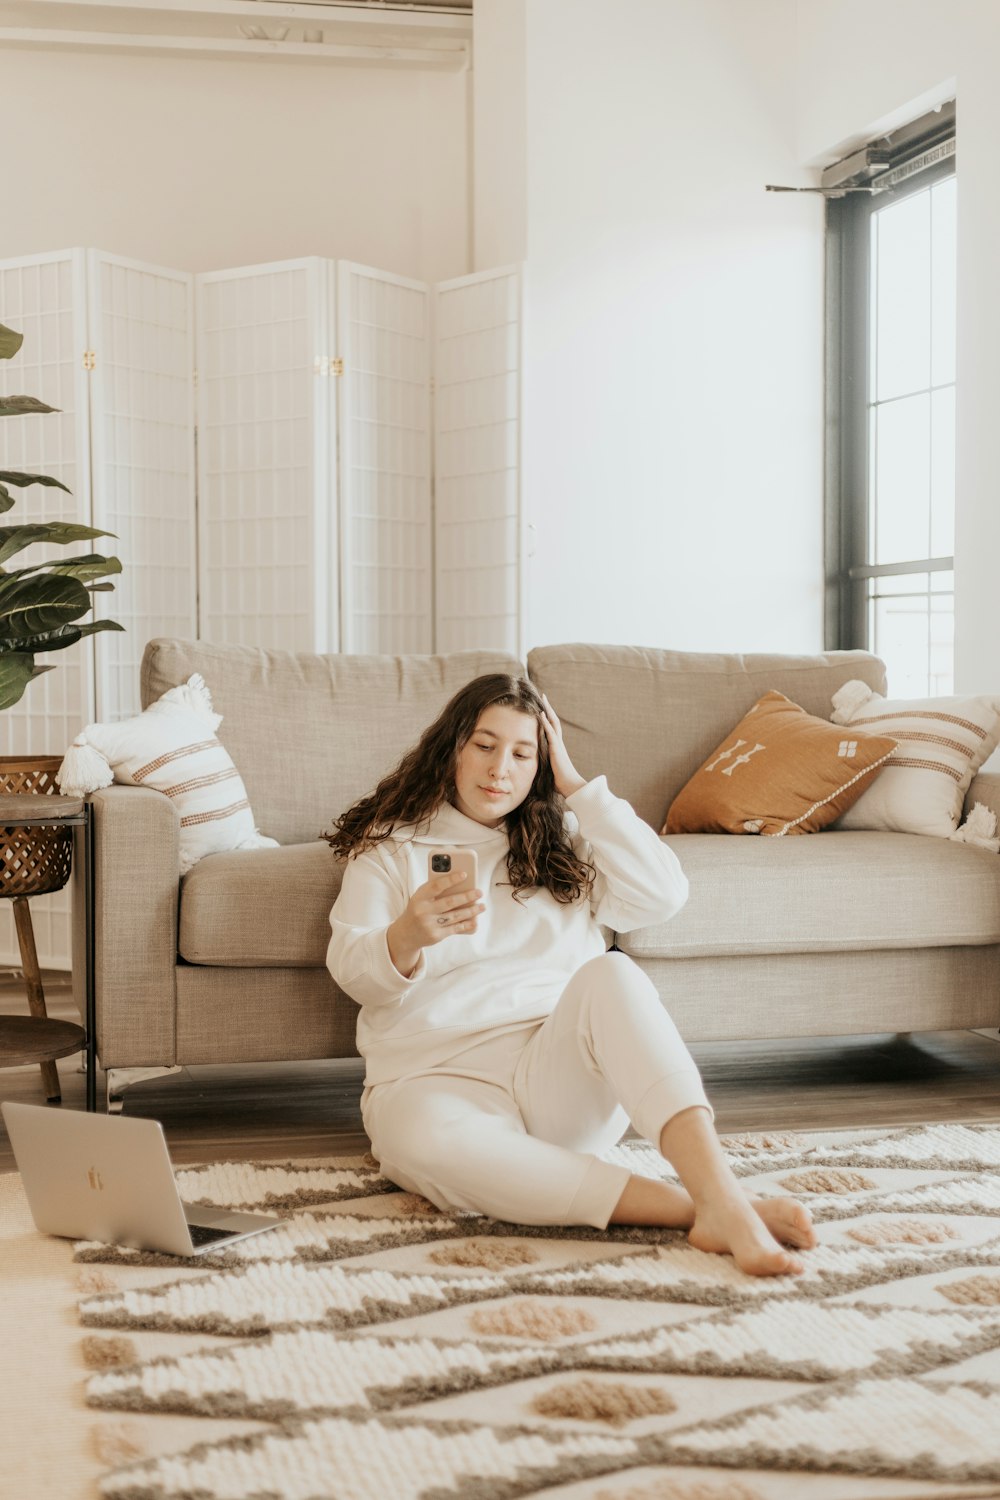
942 744
172 748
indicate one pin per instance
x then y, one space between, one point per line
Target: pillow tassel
848 699
83 769
196 698
979 829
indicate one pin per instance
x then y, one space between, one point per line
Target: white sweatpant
511 1127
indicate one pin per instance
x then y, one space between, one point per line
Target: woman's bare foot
790 1222
736 1226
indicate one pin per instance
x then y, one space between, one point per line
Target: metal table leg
89 979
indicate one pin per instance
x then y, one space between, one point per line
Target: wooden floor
311 1109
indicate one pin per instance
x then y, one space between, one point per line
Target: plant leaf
65 635
54 640
10 342
35 606
6 499
23 406
14 476
87 565
59 533
94 626
16 671
92 566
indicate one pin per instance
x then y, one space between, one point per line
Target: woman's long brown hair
540 852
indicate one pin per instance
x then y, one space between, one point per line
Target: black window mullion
848 227
848 349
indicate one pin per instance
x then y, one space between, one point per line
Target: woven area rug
375 1347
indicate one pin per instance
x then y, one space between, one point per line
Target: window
891 398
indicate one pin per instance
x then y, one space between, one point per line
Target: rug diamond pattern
395 1350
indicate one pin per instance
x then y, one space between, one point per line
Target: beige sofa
823 934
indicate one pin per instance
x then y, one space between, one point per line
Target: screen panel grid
386 518
143 465
257 490
477 489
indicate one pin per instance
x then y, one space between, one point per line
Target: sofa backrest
648 718
311 734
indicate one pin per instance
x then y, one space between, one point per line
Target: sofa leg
117 1080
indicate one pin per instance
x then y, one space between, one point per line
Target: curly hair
540 852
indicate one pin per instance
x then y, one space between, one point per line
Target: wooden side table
38 1038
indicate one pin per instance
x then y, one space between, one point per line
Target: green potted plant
41 611
41 607
41 603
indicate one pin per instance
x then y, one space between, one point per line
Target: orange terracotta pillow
780 771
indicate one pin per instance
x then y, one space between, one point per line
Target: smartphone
449 861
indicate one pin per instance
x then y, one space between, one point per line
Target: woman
505 1048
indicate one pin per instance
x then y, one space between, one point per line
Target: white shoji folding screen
142 462
299 362
266 438
108 342
478 519
386 525
358 466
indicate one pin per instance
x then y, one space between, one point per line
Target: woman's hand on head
567 778
434 912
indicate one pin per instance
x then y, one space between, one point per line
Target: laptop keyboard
202 1234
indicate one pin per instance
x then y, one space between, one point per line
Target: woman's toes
747 1237
787 1220
767 1260
795 1228
788 1265
804 1226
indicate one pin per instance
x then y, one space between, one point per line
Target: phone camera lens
440 863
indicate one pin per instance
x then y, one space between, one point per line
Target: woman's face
497 765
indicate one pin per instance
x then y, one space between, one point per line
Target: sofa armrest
985 788
136 882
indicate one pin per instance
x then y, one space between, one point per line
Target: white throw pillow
171 747
942 744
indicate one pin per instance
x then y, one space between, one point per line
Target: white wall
864 67
673 330
499 133
200 164
915 52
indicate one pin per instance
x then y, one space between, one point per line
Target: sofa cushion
648 718
262 908
312 734
837 891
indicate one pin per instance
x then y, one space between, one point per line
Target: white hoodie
513 969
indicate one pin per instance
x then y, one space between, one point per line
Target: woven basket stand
33 861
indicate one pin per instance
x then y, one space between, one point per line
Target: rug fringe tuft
118 1442
108 1353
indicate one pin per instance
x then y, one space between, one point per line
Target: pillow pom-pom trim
848 699
194 696
84 769
979 829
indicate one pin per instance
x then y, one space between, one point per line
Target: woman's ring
442 921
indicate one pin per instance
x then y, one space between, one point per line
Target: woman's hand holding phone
448 903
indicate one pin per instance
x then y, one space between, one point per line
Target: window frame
848 368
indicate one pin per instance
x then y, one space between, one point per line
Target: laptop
109 1178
